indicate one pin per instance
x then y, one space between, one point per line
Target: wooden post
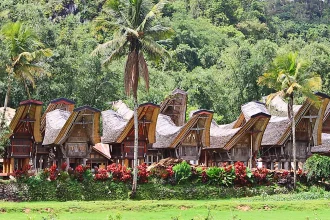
205 158
251 151
67 163
11 165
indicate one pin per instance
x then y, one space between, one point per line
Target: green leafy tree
25 51
136 29
289 76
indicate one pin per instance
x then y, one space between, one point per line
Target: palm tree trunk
6 102
294 148
136 146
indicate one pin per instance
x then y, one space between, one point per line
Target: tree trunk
6 103
136 146
294 148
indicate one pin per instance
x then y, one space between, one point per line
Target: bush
243 174
182 171
318 168
220 176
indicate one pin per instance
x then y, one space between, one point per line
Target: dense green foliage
318 168
218 51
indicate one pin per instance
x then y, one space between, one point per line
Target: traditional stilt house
240 140
175 107
73 135
185 142
25 137
118 131
60 109
324 147
277 143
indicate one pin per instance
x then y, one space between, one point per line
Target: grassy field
274 207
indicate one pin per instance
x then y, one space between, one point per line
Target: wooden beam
310 116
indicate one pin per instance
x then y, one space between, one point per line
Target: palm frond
156 11
153 49
116 54
159 32
110 45
143 69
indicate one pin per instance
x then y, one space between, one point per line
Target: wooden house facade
277 143
60 110
118 131
25 137
240 140
73 137
184 142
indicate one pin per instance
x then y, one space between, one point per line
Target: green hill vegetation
218 51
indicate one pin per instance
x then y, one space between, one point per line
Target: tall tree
137 28
288 76
25 51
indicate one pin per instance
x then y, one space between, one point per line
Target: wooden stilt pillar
67 163
11 165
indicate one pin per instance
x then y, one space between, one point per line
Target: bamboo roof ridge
60 103
10 113
29 111
253 114
55 121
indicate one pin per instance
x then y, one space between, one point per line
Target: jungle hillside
218 50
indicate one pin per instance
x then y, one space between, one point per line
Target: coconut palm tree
137 31
288 76
25 51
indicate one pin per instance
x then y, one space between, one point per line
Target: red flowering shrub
143 174
102 174
63 166
53 173
242 176
119 172
22 174
79 172
260 175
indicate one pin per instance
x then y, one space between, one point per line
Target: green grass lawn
291 208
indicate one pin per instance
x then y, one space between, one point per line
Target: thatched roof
113 126
118 124
168 135
55 121
276 128
175 106
10 113
122 109
325 147
166 131
279 127
29 111
103 149
254 115
88 117
60 103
